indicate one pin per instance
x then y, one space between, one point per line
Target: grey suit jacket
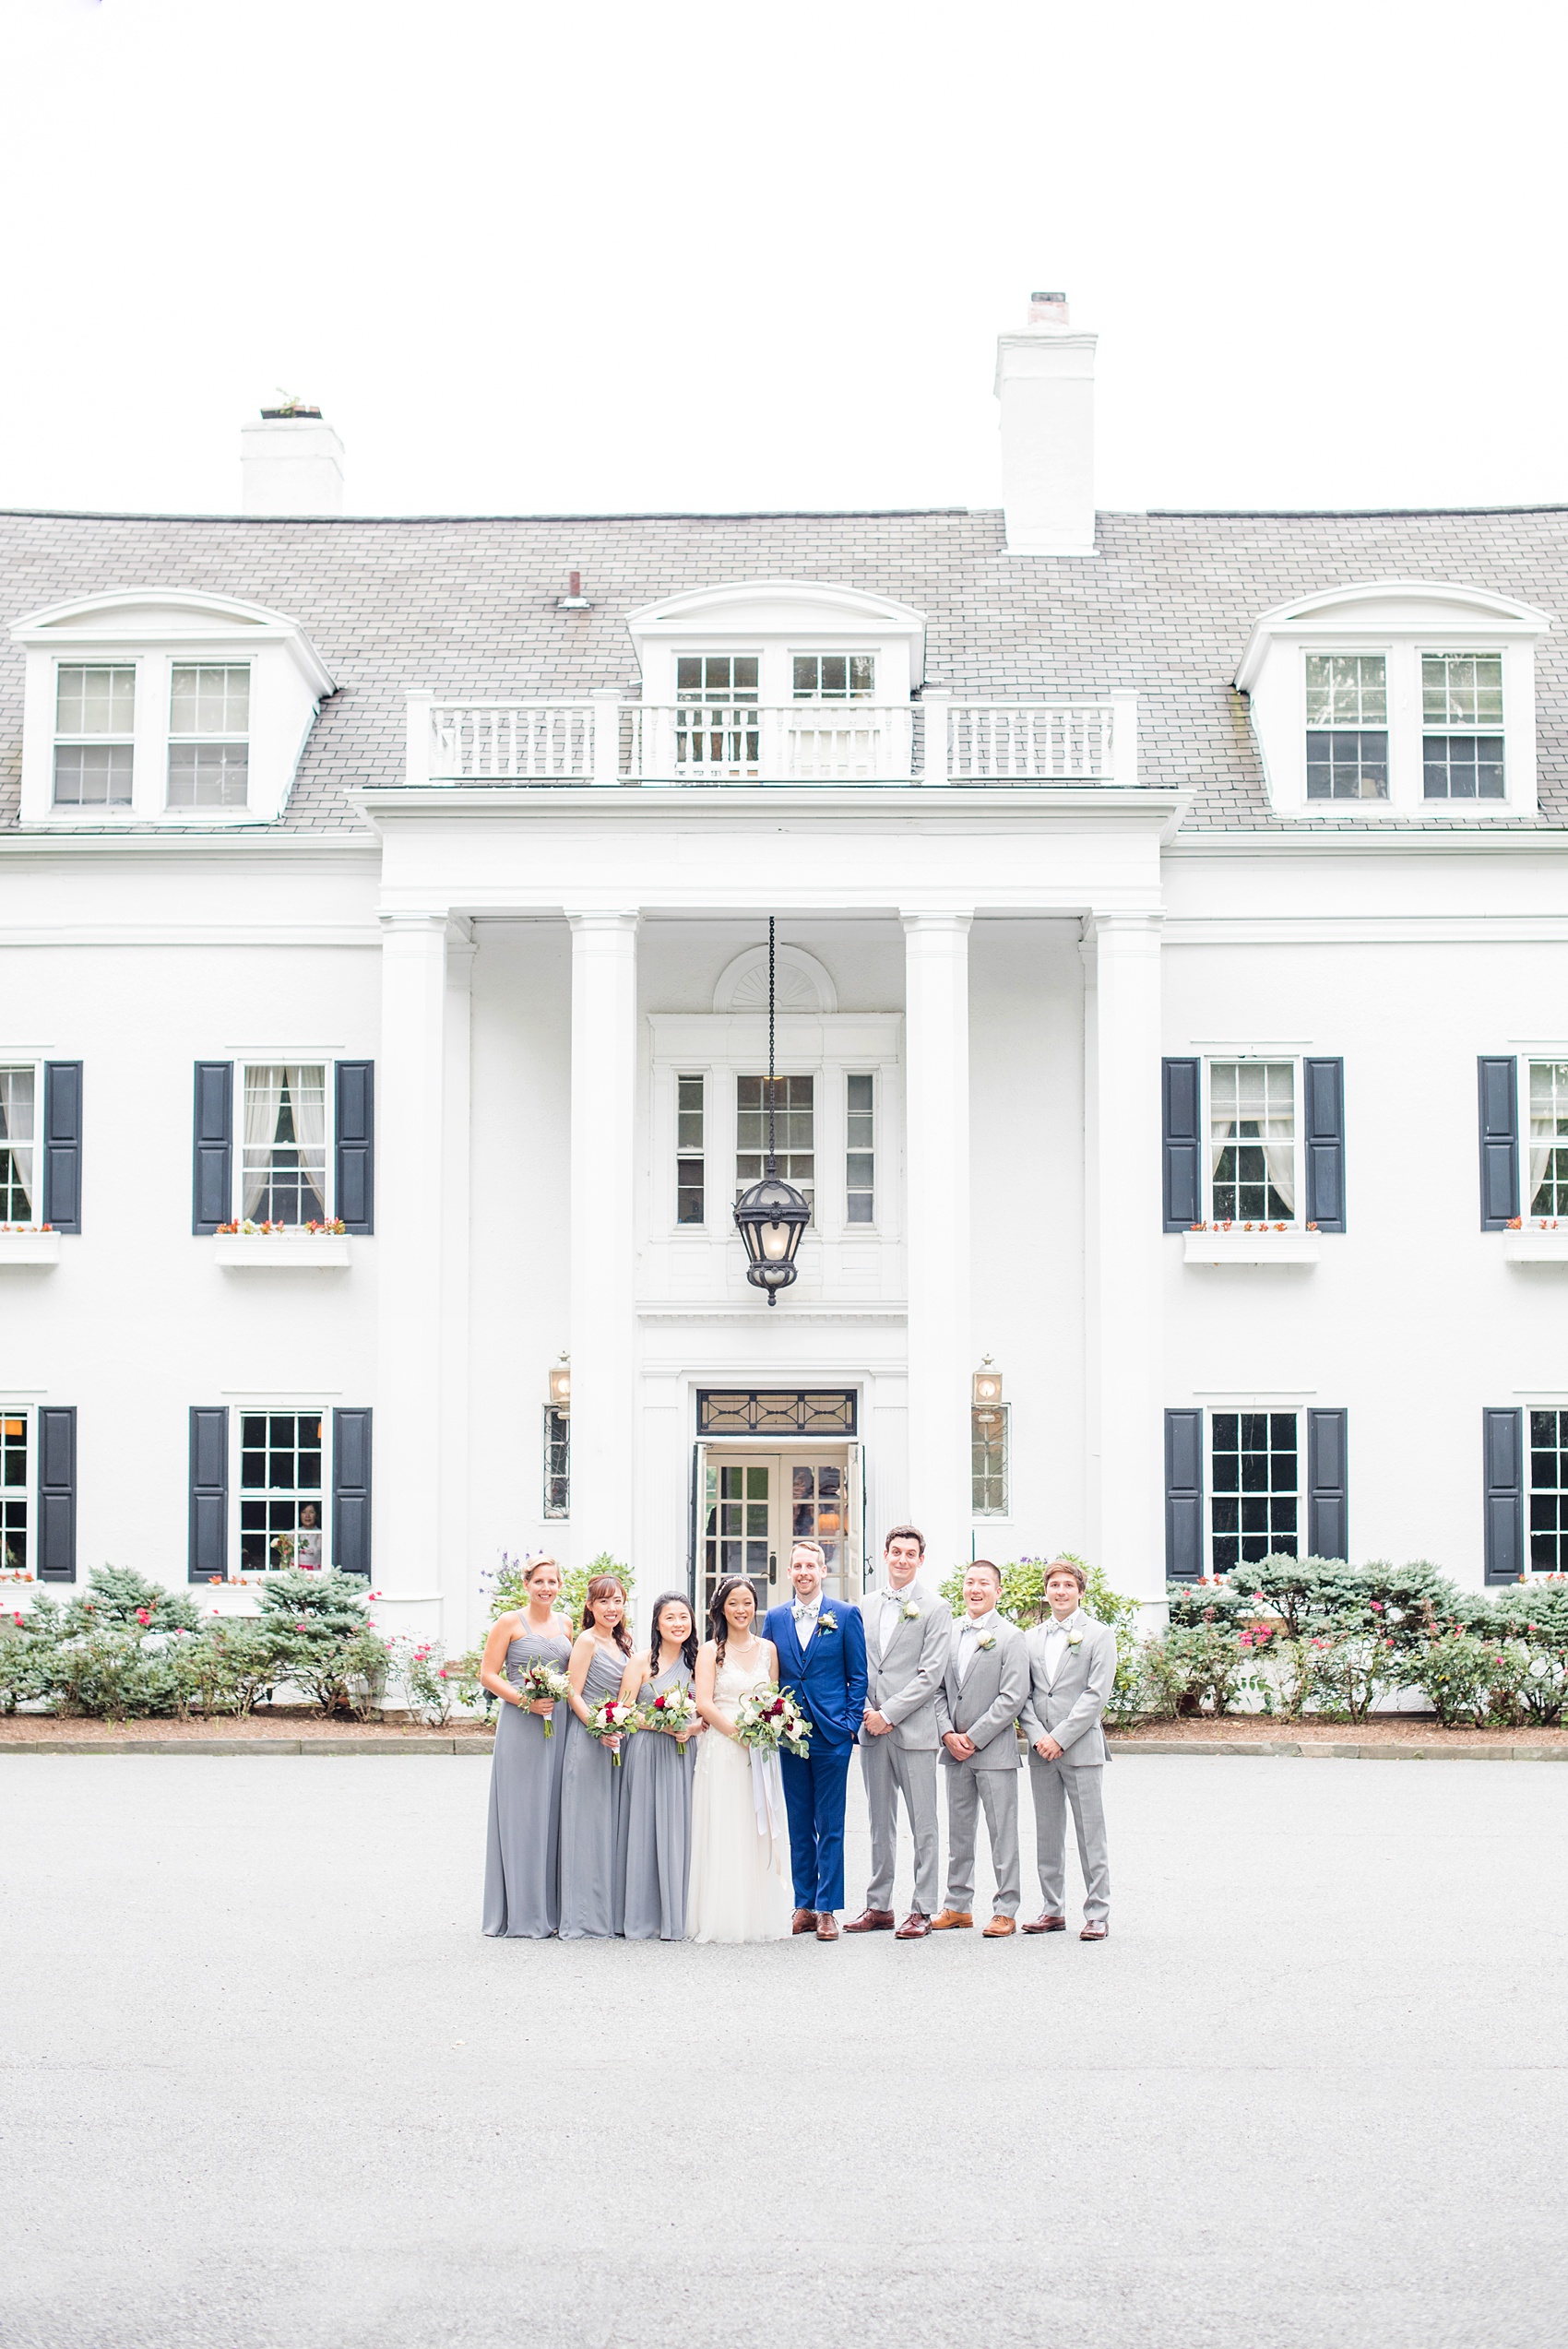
988 1704
1071 1711
902 1683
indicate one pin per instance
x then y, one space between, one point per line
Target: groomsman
909 1631
977 1710
1071 1671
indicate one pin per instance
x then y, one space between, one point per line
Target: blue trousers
814 1798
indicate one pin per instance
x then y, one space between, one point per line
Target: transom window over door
283 1507
794 1130
283 1174
94 722
210 735
1462 725
17 1135
1347 726
1253 1141
835 677
1549 1137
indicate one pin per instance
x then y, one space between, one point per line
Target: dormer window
210 736
835 677
1347 726
95 713
1462 735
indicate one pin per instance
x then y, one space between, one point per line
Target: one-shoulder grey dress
522 1856
590 1803
655 1825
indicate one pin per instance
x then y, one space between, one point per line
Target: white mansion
1172 1025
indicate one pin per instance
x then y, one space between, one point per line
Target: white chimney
290 463
1045 382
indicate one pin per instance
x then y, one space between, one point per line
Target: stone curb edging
268 1745
1286 1749
1280 1749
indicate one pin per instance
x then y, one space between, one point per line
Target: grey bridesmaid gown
590 1804
522 1854
656 1826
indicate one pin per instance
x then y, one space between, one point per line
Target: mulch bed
1406 1732
281 1729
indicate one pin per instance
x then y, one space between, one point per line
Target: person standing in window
656 1799
591 1783
522 1853
307 1550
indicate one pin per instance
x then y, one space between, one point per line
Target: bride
739 1888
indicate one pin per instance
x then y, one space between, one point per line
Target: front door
753 1505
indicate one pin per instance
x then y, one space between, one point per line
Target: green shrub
227 1668
509 1592
1023 1602
1198 1669
117 1595
1453 1671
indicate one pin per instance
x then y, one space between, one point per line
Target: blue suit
828 1682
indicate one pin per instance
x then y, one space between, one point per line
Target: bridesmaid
656 1801
591 1783
521 1865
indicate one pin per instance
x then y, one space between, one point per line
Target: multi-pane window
1252 1140
689 1150
283 1157
860 1150
835 677
1462 725
1549 1137
794 1127
716 725
818 1500
94 722
208 735
737 1524
557 1462
282 1508
1256 1488
1548 1492
18 1135
987 1461
1347 726
14 1492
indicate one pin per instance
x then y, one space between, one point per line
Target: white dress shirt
1055 1647
966 1637
888 1613
806 1612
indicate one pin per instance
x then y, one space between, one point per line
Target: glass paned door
751 1508
737 1534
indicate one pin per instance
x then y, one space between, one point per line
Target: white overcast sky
548 255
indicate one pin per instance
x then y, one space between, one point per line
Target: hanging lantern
771 1216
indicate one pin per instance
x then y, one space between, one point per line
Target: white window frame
1003 1517
1560 1404
820 653
28 1413
555 1411
876 1077
1310 726
1297 1220
702 1077
1266 1407
296 1408
35 1061
739 1182
291 1058
206 739
111 810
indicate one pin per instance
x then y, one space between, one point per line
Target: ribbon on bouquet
763 1780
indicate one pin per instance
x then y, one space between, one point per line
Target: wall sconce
561 1386
985 1391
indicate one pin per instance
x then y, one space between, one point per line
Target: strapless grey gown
522 1854
656 1826
590 1804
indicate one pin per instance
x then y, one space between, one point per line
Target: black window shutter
1323 1084
1500 1141
212 1186
356 1144
1181 1103
1503 1444
209 1492
1327 1497
63 1145
1183 1496
350 1492
57 1493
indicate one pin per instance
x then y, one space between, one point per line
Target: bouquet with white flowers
672 1709
768 1718
614 1718
544 1683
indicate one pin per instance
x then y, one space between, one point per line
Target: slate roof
468 607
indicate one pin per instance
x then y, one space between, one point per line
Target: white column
461 1614
411 1217
603 1252
1123 1266
936 1190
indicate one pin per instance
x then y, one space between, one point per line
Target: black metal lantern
772 1214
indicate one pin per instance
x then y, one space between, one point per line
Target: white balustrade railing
938 740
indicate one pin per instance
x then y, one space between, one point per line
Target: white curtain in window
263 1093
16 1127
1544 1109
307 1093
1261 1095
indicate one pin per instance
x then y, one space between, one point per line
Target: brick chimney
1045 382
290 463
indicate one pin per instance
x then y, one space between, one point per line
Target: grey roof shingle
468 607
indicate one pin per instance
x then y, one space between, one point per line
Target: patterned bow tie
804 1614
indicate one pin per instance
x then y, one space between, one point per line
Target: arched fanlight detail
771 1216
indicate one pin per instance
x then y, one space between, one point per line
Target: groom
822 1661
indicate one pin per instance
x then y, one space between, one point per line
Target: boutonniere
826 1621
1074 1639
909 1613
986 1640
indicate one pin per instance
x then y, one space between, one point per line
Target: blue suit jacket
829 1679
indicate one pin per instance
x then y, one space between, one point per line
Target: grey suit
1070 1712
984 1709
906 1660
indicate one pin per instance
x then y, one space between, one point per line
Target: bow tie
804 1614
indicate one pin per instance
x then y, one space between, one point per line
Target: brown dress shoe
999 1929
1093 1932
804 1921
826 1926
949 1919
1047 1924
914 1929
872 1920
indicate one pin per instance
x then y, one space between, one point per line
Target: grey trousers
1055 1785
892 1769
995 1791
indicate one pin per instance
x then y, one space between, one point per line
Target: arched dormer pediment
773 621
1396 696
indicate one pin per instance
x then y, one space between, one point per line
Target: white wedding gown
739 1888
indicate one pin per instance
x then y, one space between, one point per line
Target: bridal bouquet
614 1718
544 1683
769 1718
670 1709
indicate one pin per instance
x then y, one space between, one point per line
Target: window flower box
28 1244
1231 1244
282 1247
1539 1240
